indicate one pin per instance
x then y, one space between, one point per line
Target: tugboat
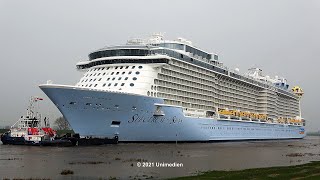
32 129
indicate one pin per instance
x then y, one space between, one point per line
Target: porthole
137 72
133 67
95 74
94 80
127 67
116 67
102 69
117 73
108 68
104 74
151 87
130 72
119 78
122 84
126 78
86 80
90 75
148 93
116 84
99 74
109 84
100 79
95 85
140 67
104 85
90 85
131 84
123 73
112 73
155 88
90 80
87 85
113 79
134 78
121 67
108 79
151 93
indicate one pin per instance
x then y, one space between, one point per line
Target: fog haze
43 40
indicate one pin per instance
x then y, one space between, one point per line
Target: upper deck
157 50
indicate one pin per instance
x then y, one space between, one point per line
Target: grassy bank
305 171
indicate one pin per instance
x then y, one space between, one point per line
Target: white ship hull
134 118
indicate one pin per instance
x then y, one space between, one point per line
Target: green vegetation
63 132
305 171
313 133
3 131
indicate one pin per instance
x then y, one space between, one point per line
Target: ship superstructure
146 83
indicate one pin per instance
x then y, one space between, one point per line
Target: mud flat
152 161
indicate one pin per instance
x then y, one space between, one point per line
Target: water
120 160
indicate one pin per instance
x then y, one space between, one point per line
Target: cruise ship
157 90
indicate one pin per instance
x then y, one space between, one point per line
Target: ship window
117 73
116 84
121 67
119 78
102 69
148 93
104 74
99 74
127 67
108 79
115 123
90 80
140 67
90 74
137 72
100 79
94 80
126 78
131 84
130 72
94 74
133 67
87 85
123 72
90 85
108 68
86 80
113 79
151 93
116 67
109 84
112 73
95 85
104 85
151 87
134 78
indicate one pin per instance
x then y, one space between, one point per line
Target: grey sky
42 40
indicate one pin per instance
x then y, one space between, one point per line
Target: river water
122 160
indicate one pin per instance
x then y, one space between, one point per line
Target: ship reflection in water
122 160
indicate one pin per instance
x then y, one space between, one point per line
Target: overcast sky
43 40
